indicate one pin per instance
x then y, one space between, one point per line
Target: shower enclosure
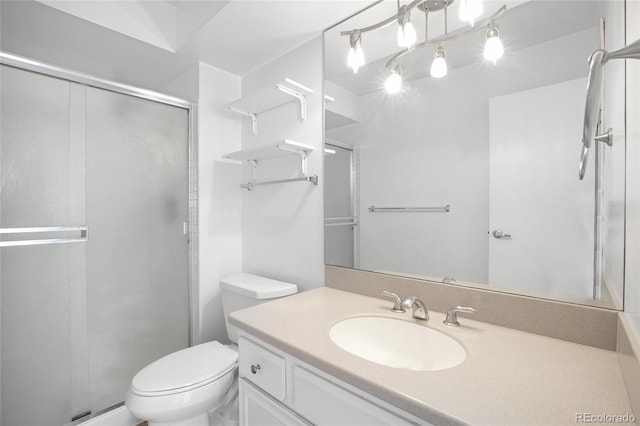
94 247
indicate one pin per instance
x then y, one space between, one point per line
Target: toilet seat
185 370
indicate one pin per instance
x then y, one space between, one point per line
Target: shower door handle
83 229
501 235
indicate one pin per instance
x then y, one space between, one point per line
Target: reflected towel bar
445 208
83 235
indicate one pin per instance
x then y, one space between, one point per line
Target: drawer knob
255 368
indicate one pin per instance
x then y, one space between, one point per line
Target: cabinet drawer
262 367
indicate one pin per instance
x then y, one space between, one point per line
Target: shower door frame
32 65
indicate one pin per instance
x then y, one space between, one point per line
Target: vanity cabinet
277 388
258 408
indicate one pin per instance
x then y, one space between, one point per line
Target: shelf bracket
303 158
254 119
299 96
254 169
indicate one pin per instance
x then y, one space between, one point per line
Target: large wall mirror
472 178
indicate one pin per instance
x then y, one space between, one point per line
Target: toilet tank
243 290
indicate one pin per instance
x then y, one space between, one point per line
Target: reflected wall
500 145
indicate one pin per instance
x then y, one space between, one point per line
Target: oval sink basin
397 343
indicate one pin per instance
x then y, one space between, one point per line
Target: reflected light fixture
493 49
439 64
355 59
393 83
470 10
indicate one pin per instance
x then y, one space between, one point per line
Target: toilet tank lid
257 287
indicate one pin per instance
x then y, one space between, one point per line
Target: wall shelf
274 150
272 97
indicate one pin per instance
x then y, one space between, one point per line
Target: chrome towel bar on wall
446 208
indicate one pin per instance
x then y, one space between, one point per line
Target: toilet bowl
182 388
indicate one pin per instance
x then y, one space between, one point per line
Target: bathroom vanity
278 388
291 372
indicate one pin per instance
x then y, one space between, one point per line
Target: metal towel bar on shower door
84 230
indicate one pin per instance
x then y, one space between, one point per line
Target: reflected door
340 247
559 259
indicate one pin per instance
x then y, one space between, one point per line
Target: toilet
182 388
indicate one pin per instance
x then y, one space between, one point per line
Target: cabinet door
326 403
258 409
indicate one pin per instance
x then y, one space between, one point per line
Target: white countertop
509 377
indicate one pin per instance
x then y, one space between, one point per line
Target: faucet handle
397 302
452 315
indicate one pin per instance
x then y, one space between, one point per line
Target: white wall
419 161
632 262
282 224
220 241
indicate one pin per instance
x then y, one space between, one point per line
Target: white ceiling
246 34
149 43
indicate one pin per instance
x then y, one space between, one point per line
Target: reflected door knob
499 234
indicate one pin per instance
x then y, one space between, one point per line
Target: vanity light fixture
470 10
493 49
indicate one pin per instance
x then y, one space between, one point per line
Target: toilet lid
188 368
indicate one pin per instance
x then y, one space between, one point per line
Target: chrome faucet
452 315
419 310
397 302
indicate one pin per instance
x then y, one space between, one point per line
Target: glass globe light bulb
493 49
393 84
406 36
355 58
439 64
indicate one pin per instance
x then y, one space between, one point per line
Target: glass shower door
137 254
94 244
44 371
